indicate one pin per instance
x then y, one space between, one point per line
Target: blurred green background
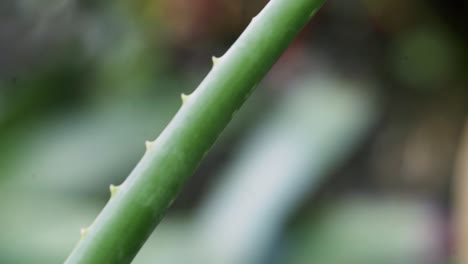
344 154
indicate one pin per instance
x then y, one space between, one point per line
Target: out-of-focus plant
366 229
138 205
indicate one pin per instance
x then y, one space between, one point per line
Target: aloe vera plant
137 205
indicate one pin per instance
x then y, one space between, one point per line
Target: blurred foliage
84 83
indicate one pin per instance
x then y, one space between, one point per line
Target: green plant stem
138 205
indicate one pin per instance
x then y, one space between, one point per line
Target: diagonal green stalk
138 205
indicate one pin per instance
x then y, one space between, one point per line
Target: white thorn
83 232
214 60
113 190
148 144
184 98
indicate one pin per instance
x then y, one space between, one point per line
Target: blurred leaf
40 227
368 230
86 150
